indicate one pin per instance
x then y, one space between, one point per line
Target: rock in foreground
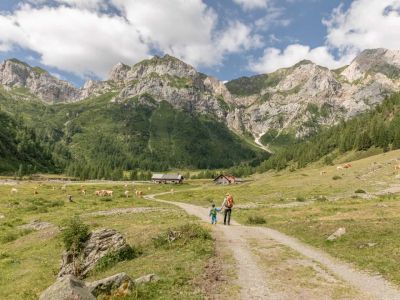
67 288
100 243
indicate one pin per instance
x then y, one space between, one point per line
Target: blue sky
79 40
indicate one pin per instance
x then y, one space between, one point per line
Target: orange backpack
229 202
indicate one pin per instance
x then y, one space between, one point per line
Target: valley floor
276 249
272 265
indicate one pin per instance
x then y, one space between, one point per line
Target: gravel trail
251 276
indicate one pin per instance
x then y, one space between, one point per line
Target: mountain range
162 108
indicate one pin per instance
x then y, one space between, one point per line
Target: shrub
8 237
183 233
322 199
256 220
300 199
75 234
105 199
336 177
360 191
113 258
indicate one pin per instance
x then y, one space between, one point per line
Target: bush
105 199
183 233
256 220
8 237
75 234
360 191
300 199
113 258
336 177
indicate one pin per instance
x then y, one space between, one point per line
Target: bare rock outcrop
100 243
17 74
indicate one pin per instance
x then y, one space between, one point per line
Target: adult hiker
227 205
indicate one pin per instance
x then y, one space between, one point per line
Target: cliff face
38 82
297 100
302 98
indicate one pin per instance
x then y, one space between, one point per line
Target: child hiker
213 214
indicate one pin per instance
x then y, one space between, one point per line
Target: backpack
229 202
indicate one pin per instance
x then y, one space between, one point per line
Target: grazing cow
126 193
14 191
139 194
397 167
322 172
83 191
172 191
107 193
347 166
98 193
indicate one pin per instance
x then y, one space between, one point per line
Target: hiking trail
272 265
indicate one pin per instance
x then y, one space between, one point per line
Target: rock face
67 288
169 79
302 98
16 74
296 100
100 243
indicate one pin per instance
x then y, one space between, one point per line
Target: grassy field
30 259
312 203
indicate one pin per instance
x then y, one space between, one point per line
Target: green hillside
95 138
20 149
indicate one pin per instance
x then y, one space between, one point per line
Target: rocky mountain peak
119 72
15 74
372 61
166 65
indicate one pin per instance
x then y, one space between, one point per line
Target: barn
227 179
167 178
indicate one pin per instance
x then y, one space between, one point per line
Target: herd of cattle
99 193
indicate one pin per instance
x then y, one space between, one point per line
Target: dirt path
259 280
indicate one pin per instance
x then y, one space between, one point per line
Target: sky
77 40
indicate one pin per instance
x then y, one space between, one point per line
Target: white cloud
80 37
252 4
366 24
275 16
274 58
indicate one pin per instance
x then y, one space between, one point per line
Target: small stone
147 278
338 233
37 225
